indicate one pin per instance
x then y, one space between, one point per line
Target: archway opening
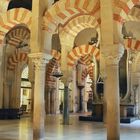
25 92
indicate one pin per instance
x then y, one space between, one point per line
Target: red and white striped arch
132 44
18 34
85 59
121 13
134 14
82 50
88 70
50 67
79 23
63 11
91 71
84 74
15 59
122 8
76 25
13 17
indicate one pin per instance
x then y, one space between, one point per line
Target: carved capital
112 54
40 60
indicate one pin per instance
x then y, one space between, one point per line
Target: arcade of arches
68 56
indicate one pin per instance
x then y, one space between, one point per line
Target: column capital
112 53
40 59
67 77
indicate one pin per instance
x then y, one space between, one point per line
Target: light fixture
22 44
127 34
100 79
56 45
57 74
93 40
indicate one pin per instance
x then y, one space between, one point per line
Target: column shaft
32 98
40 60
6 95
57 97
113 102
105 103
48 101
52 102
16 87
74 92
80 100
139 99
1 87
39 107
66 106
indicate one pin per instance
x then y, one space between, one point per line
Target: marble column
81 97
74 91
138 92
66 80
1 87
112 93
52 101
104 102
17 87
31 79
40 60
32 97
3 68
57 96
6 94
66 105
136 88
47 101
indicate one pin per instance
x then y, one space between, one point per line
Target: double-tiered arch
75 26
122 12
64 11
71 17
83 50
122 9
12 18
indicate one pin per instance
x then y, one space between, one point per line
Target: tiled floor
21 129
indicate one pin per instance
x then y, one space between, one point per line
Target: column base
38 136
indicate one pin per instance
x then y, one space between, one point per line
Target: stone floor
21 129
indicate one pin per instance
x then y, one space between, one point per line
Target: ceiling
27 4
